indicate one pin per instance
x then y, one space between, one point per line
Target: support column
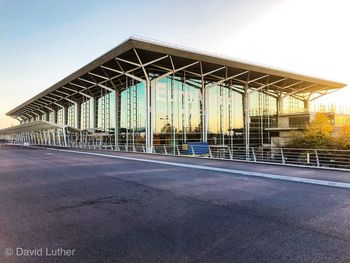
64 132
117 124
77 115
246 121
57 131
94 110
149 134
48 137
204 113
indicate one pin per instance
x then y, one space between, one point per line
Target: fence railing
323 158
326 158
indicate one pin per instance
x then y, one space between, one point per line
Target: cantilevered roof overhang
143 60
35 126
29 127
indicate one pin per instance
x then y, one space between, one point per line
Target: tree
342 137
167 128
319 126
317 134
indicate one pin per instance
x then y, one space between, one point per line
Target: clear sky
42 41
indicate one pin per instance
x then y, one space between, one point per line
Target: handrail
321 158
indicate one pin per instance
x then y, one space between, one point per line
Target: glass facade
262 114
183 109
52 116
225 116
176 107
86 115
71 116
293 105
132 115
60 113
177 113
106 113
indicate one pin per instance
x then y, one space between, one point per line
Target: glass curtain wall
86 115
71 115
225 116
263 114
106 114
132 115
293 105
52 116
176 107
177 113
60 113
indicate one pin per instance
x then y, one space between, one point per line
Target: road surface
100 209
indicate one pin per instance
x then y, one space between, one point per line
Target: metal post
64 136
254 156
59 137
192 149
317 159
246 120
204 108
230 153
116 112
282 157
149 143
93 110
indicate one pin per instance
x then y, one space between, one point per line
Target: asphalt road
113 210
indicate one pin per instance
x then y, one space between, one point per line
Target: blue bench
195 148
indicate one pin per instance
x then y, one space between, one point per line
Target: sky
43 41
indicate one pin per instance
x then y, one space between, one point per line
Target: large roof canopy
145 60
29 127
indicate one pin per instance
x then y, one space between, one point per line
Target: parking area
140 208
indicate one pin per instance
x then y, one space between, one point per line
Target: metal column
94 115
246 121
149 135
116 112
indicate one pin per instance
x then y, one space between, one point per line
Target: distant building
290 125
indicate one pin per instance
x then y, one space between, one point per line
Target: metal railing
322 158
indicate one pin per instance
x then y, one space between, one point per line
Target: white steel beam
124 73
174 71
327 92
142 66
223 80
262 77
299 90
269 84
213 71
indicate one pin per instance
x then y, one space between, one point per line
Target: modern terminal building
149 96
